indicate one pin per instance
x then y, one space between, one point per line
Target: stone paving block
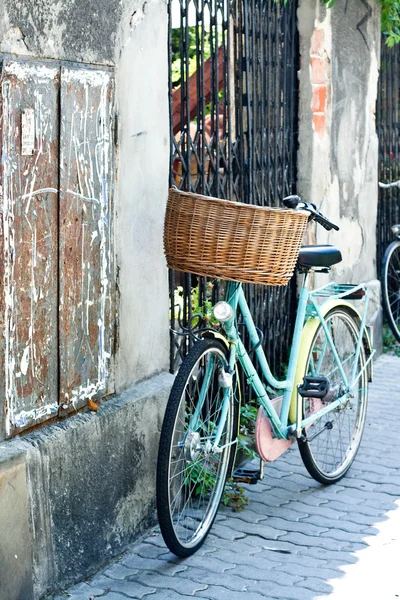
328 509
361 508
229 579
162 566
74 596
288 593
85 590
302 527
392 489
116 596
119 571
338 557
155 580
325 523
303 570
321 541
262 560
221 515
156 539
365 520
168 595
227 532
262 530
293 486
299 590
300 476
355 547
149 550
125 587
343 536
370 479
366 496
220 593
276 498
287 464
250 516
239 547
284 560
210 562
316 584
369 466
287 514
272 575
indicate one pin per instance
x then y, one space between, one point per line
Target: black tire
391 287
190 476
330 444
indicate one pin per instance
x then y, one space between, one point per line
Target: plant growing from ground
390 344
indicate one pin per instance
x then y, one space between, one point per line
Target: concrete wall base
76 493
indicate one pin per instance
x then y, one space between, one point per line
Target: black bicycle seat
319 256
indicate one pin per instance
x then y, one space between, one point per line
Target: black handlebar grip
326 224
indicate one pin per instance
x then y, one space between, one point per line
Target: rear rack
347 291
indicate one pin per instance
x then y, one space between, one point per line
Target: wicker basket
231 240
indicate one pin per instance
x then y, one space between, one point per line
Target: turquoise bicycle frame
308 308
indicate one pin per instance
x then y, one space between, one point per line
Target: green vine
391 21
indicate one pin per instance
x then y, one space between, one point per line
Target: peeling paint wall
337 161
29 269
86 230
57 310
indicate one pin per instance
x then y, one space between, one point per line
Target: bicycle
323 405
391 283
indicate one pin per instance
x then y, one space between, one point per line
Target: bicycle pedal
313 387
247 473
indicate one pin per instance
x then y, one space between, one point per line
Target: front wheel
330 444
191 471
391 287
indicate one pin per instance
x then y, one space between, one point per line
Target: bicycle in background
391 283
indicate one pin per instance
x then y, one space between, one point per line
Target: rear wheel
330 444
391 287
191 473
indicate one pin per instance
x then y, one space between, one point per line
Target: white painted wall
143 158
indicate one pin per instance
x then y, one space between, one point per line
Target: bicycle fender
215 334
309 330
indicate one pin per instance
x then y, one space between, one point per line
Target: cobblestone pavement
296 539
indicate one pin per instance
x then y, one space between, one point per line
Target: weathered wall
68 30
90 483
338 153
89 491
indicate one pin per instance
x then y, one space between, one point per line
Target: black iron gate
388 126
233 90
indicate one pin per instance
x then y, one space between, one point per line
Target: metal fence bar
388 127
257 40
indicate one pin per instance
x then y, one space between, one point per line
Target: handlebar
295 202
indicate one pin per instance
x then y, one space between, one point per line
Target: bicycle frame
308 307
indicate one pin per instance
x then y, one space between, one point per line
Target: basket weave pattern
230 240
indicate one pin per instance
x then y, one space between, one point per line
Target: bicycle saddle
319 256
